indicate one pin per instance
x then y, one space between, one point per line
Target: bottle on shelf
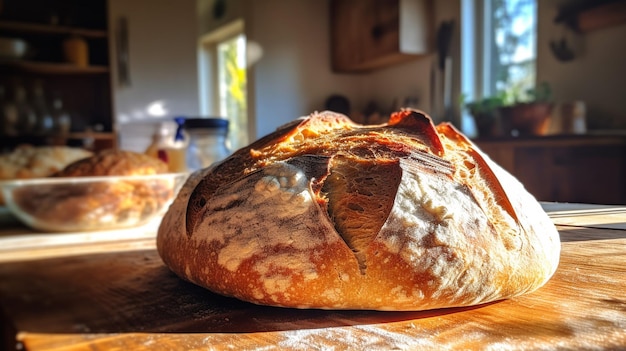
45 122
170 145
62 121
89 141
8 114
26 116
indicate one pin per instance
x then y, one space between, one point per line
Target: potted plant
486 115
529 116
513 113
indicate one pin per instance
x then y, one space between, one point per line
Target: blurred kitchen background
110 73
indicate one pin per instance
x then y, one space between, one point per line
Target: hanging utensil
444 60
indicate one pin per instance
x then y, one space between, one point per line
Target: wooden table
97 293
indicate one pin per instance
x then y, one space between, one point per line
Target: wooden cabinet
82 88
372 34
583 169
588 16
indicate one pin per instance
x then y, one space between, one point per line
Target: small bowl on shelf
71 204
12 48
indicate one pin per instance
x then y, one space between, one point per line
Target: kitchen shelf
101 140
588 16
85 90
39 29
53 68
69 136
95 135
607 15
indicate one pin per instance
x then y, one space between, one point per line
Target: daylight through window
510 47
231 56
499 51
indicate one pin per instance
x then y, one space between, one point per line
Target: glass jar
207 142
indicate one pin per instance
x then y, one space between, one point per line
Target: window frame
208 65
209 77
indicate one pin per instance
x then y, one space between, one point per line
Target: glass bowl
91 203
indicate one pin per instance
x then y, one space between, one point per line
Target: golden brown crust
114 162
277 223
27 161
109 202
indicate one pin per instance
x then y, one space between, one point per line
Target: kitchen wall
414 78
595 76
294 76
163 69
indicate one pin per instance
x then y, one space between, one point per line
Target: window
510 49
223 80
498 49
231 82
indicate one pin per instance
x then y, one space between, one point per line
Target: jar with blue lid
207 142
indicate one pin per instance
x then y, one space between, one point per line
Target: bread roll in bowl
329 214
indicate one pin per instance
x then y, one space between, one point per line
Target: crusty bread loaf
27 161
109 202
325 213
114 162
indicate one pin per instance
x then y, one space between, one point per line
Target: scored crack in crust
326 213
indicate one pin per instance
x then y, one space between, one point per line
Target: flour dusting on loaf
325 213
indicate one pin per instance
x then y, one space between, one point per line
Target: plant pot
486 124
527 118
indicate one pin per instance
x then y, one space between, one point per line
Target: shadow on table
135 292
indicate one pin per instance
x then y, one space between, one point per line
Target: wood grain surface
121 296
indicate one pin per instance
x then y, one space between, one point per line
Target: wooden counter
97 294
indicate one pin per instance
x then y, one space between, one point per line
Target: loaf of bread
116 197
28 161
325 213
114 162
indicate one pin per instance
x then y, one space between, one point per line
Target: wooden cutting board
121 296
